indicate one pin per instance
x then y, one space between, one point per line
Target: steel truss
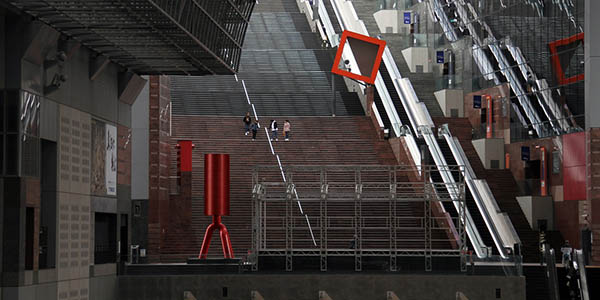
358 211
184 37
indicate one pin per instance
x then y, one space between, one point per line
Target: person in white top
274 129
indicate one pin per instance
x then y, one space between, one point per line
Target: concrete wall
392 21
140 129
488 150
66 115
307 286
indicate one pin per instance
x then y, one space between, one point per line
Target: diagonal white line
246 91
279 161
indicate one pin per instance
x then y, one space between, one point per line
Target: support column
158 211
592 121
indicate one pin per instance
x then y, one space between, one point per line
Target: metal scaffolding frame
185 37
355 210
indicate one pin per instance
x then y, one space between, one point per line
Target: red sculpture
216 201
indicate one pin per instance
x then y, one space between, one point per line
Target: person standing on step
286 130
247 122
254 128
274 129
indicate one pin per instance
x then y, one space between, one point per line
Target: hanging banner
104 159
111 160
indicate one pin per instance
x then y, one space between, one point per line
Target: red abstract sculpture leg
223 233
225 241
206 241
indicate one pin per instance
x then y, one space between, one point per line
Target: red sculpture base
225 241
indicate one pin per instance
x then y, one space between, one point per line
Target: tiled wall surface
74 224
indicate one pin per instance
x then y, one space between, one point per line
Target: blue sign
440 57
407 17
525 154
476 101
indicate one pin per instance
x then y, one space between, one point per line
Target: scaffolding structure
356 211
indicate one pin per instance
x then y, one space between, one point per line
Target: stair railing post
392 217
289 224
256 220
323 220
358 221
427 218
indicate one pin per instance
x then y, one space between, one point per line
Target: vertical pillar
592 120
543 172
159 156
181 206
488 130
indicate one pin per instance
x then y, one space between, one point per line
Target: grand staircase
314 141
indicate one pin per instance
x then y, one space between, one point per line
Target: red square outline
560 73
364 38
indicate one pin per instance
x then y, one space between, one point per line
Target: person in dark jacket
274 129
247 122
254 128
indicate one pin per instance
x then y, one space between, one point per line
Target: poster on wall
104 159
111 160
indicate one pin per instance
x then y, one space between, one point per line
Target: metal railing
357 211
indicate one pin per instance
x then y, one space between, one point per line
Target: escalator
384 117
523 82
389 84
330 12
471 206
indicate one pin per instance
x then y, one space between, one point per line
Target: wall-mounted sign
104 159
439 57
111 160
525 153
407 17
476 101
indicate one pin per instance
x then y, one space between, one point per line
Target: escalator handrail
583 283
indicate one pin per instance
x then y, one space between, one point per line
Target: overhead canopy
171 37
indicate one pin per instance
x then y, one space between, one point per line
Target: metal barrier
356 211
